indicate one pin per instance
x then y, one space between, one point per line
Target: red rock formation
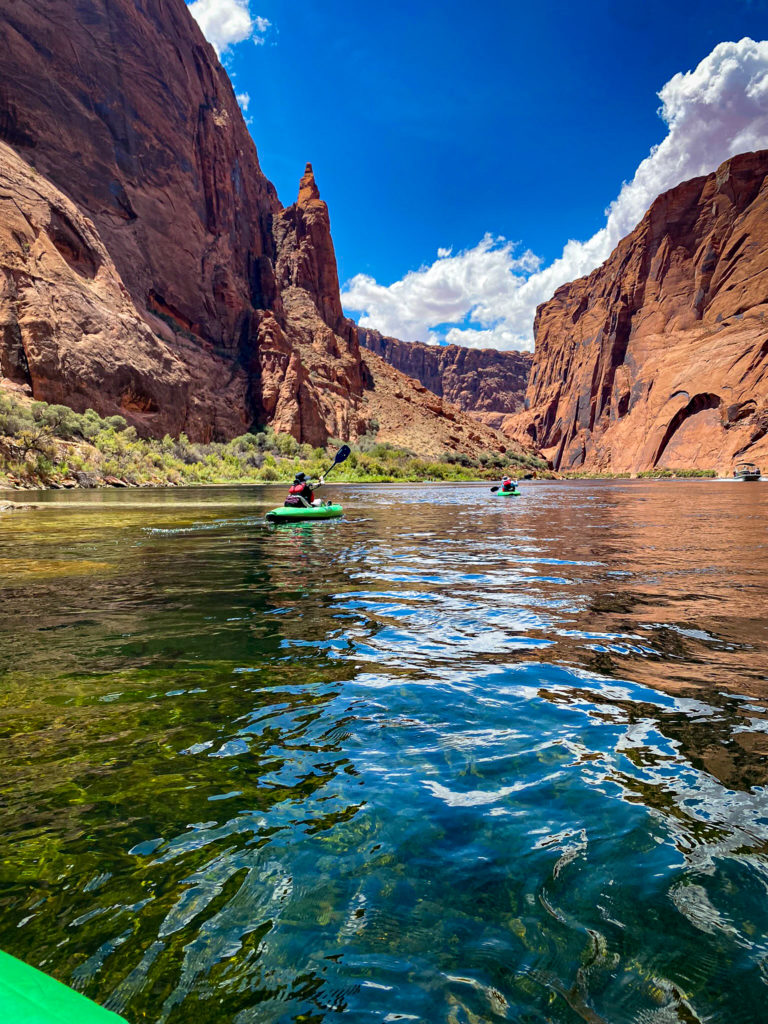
477 380
305 253
659 358
124 108
330 384
66 318
70 334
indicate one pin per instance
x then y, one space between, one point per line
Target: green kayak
508 494
299 515
27 996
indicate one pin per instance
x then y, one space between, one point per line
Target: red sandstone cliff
146 265
481 381
319 391
68 327
405 413
659 358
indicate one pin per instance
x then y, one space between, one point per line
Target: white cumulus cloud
244 99
444 292
226 22
713 112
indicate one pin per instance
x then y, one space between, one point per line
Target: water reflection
449 760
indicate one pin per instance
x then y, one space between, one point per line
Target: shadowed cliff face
659 358
121 108
124 106
478 380
66 318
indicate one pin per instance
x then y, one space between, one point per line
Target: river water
455 759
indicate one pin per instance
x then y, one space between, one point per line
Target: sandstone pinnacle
308 190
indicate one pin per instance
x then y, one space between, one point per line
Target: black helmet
300 478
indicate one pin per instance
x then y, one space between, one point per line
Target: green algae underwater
449 759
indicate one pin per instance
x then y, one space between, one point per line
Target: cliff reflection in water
453 759
679 603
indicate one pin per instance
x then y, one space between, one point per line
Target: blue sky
433 125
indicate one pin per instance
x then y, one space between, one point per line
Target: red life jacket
297 491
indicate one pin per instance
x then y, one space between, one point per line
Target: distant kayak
285 514
508 494
27 996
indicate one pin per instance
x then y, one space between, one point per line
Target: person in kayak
508 484
301 493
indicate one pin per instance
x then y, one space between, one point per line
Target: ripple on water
396 770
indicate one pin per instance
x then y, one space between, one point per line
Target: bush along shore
45 445
647 474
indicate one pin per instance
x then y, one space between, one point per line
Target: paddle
341 456
343 453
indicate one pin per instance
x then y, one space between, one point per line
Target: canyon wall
659 358
69 330
478 380
147 267
124 109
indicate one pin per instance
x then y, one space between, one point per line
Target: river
453 759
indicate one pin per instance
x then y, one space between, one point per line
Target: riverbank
51 446
647 474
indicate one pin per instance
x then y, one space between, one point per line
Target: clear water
455 759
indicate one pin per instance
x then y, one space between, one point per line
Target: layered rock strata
482 381
659 358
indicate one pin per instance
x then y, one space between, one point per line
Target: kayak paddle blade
342 454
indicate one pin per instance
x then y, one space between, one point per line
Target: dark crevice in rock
13 358
71 245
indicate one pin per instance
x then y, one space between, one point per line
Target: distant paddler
508 486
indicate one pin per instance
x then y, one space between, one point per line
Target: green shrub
287 445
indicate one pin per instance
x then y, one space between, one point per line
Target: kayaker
301 493
508 484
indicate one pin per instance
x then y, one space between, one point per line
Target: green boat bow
27 996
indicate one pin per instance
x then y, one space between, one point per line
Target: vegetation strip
45 445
